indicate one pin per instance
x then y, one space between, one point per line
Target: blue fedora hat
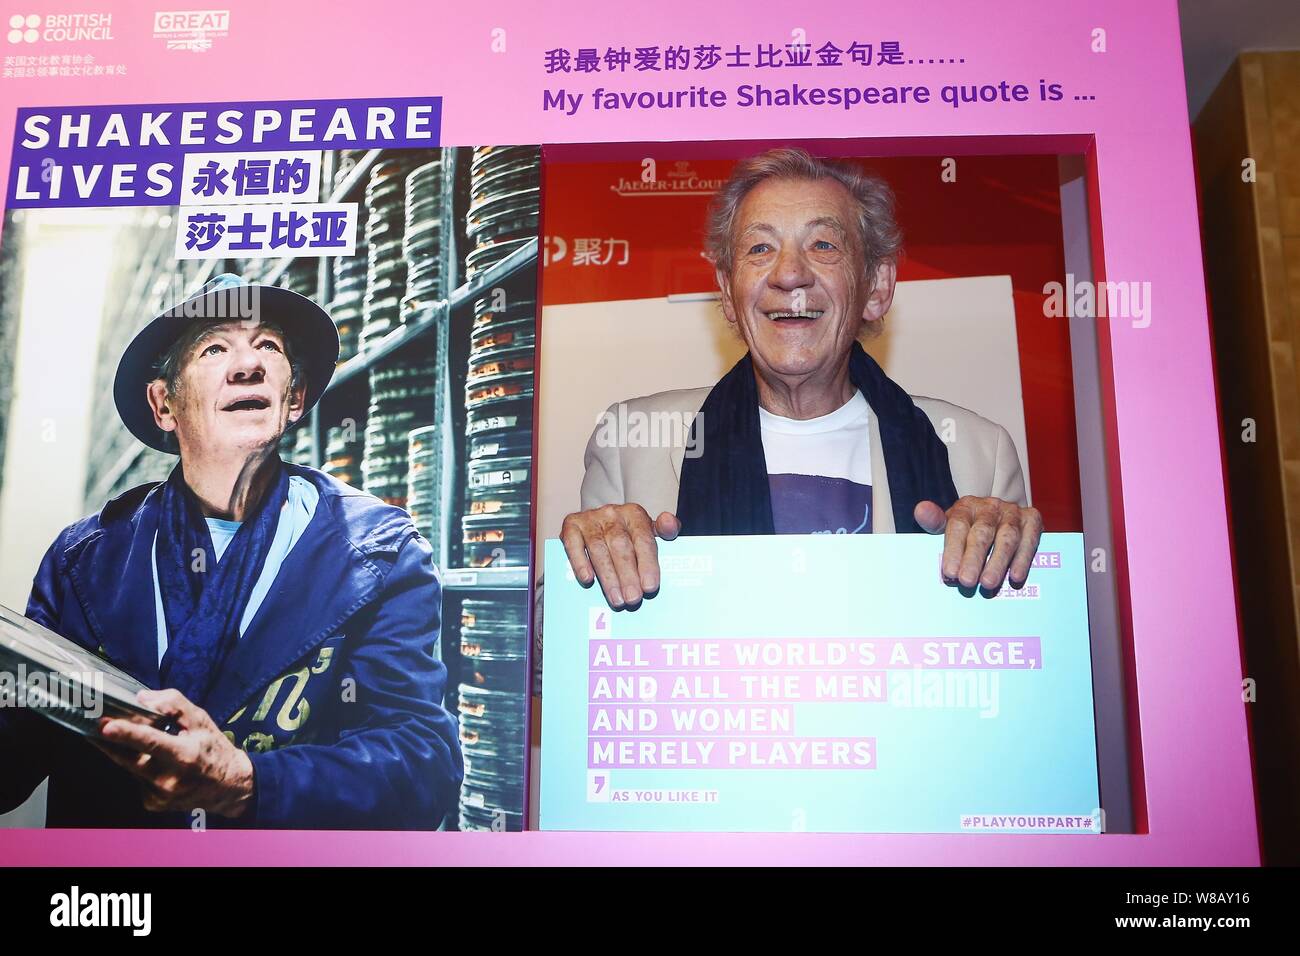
313 339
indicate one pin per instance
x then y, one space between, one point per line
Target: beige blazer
981 455
648 469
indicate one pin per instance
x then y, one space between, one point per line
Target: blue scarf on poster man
725 490
203 599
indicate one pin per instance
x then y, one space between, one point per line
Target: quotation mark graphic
17 23
597 786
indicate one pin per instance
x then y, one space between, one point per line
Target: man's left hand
984 538
199 767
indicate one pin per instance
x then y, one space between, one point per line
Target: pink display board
1119 70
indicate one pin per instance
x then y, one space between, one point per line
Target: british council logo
22 29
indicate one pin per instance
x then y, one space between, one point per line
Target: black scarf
725 490
203 602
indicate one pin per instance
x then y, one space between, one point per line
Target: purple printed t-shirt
819 470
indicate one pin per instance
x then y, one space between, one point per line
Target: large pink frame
1186 664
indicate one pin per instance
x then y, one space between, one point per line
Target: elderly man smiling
292 621
806 433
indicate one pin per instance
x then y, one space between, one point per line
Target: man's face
797 292
234 393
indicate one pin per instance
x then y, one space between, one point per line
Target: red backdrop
1001 216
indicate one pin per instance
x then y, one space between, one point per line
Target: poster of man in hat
288 621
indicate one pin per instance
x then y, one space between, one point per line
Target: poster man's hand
984 539
617 545
199 767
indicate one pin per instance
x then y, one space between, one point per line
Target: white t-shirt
819 470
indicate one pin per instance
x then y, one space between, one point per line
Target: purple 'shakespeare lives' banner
135 155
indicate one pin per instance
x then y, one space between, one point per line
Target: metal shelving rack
445 327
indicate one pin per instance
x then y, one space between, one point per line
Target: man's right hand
616 545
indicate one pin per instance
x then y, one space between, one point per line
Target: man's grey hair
172 363
878 231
